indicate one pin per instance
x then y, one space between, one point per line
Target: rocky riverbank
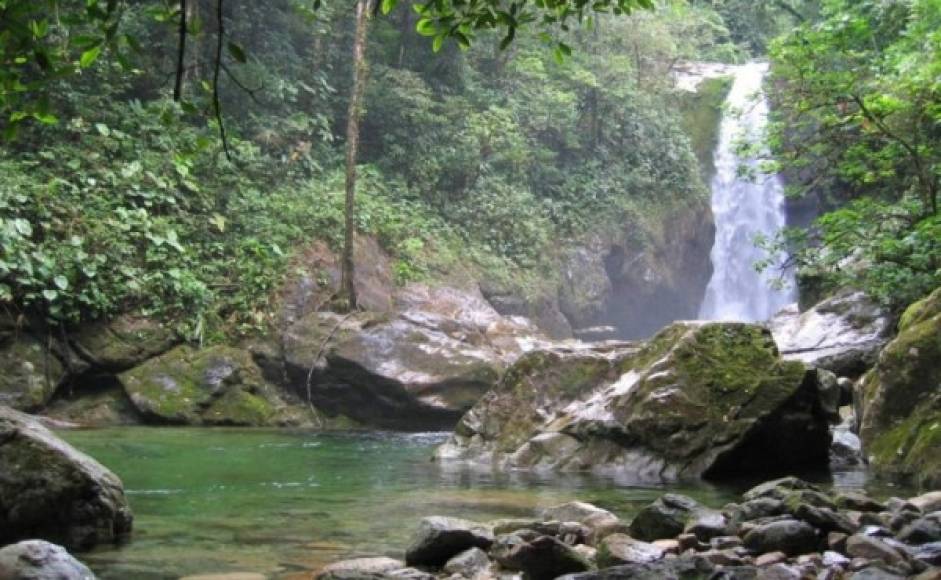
785 529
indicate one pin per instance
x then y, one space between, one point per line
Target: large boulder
842 334
418 369
50 490
39 560
31 371
699 399
438 539
219 385
900 399
124 342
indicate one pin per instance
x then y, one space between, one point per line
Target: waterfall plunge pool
283 503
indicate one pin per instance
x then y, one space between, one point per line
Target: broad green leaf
90 56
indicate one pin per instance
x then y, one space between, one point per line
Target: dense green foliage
481 159
858 125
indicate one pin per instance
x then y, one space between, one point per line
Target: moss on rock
900 398
30 375
218 386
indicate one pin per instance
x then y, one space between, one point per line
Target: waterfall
744 207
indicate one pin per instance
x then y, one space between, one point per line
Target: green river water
284 503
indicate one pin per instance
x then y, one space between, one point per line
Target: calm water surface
284 503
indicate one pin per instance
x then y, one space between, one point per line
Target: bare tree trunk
363 11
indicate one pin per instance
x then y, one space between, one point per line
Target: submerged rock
900 399
842 334
39 560
699 399
50 490
219 385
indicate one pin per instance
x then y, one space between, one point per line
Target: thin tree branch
216 102
180 55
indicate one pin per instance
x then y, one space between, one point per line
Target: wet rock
792 537
877 573
39 560
543 558
923 530
899 402
725 542
438 539
468 563
872 548
619 549
31 372
761 507
846 449
842 334
824 519
707 524
831 558
219 385
668 546
50 490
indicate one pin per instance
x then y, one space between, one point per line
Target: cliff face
635 281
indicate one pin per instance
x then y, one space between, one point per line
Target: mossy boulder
697 400
124 342
31 372
900 399
50 490
219 385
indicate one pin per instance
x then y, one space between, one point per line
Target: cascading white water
744 207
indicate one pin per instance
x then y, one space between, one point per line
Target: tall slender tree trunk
363 10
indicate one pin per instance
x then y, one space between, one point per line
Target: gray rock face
842 334
439 539
50 490
697 400
39 560
789 536
419 368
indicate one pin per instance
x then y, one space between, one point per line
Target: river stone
681 568
468 563
50 490
792 537
359 567
438 539
872 548
842 334
778 488
928 502
543 558
124 342
665 518
900 402
698 400
929 553
31 372
40 560
923 530
619 549
707 524
576 511
219 385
